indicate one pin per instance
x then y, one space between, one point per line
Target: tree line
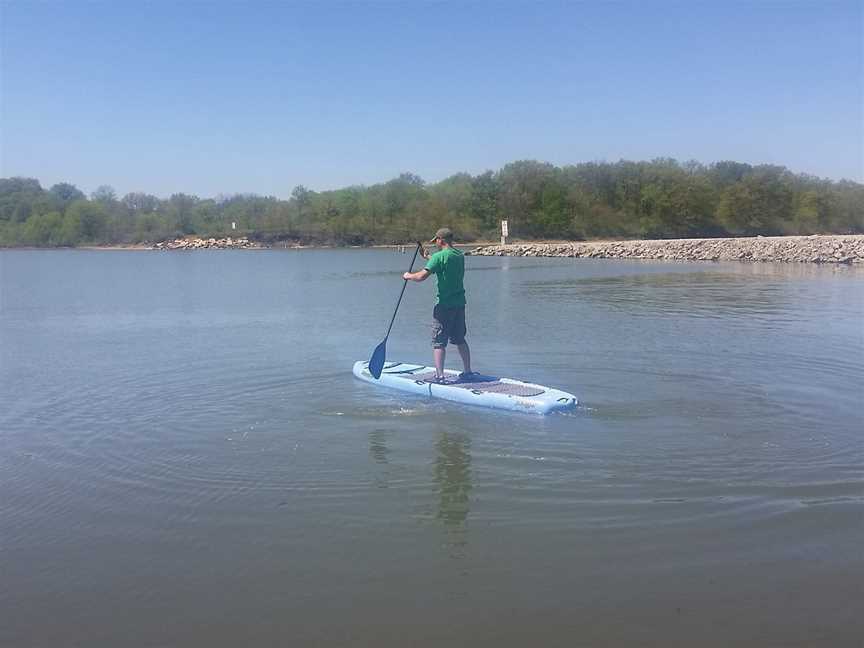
662 198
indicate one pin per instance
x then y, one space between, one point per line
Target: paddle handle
410 268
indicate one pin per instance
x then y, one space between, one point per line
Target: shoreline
845 249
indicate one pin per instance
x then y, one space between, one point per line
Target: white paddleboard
483 390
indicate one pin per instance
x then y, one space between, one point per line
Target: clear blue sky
225 97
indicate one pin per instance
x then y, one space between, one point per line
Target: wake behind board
486 391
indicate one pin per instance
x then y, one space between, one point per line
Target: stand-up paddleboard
487 391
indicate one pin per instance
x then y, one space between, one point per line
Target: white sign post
504 232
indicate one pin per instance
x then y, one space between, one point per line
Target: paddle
376 363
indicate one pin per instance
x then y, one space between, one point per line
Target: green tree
138 202
17 198
104 194
522 185
728 173
484 201
90 221
805 215
42 230
302 198
71 230
180 209
66 193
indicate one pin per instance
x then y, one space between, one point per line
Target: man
448 316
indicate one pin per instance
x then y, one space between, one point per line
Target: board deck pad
488 384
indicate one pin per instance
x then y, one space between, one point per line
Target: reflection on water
378 449
450 485
379 452
452 473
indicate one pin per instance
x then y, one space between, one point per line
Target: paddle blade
376 363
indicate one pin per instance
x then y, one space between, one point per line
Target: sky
217 97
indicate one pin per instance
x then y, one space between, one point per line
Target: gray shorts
448 324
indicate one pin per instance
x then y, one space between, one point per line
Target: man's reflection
452 474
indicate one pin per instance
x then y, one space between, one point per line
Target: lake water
186 459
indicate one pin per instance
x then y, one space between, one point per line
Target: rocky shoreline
228 243
845 249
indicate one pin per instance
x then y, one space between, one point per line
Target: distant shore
845 249
836 249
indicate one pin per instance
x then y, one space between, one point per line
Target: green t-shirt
448 264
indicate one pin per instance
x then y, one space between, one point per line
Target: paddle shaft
410 268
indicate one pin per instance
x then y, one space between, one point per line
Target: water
186 460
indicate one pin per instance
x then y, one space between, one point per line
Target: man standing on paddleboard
448 316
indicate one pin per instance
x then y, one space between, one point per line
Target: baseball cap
444 233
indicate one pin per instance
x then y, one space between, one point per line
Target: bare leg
465 352
439 361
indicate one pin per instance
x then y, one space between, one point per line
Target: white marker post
504 232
